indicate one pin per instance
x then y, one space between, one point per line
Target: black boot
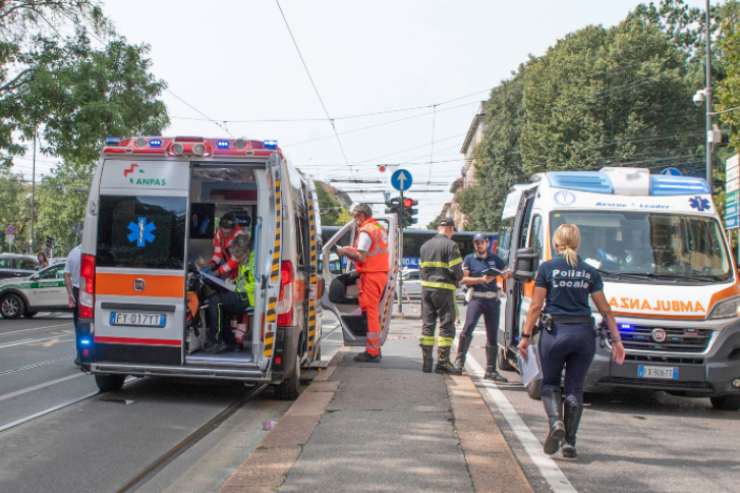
491 373
427 355
553 408
463 345
366 357
444 366
572 411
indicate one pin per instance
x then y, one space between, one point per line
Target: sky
234 61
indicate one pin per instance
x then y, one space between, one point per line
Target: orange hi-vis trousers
372 285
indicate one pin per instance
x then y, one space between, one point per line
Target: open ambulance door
341 280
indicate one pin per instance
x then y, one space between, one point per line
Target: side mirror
525 265
35 277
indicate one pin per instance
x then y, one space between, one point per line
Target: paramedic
479 276
222 262
72 283
370 253
441 271
231 303
564 284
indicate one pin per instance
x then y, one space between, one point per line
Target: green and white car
26 296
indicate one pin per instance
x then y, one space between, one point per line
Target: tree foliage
729 88
333 211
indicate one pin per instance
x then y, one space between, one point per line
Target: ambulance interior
214 192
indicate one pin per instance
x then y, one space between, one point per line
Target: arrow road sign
401 180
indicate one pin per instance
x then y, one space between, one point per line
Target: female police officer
570 342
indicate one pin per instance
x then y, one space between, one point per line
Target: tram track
149 471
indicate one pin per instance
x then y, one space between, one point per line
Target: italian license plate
659 372
137 319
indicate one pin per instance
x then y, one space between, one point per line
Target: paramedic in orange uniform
370 253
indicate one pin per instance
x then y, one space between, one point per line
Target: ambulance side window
536 240
527 217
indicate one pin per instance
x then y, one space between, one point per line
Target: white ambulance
152 212
668 274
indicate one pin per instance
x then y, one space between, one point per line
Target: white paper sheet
530 367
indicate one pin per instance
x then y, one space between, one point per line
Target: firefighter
222 262
568 342
370 254
441 272
480 270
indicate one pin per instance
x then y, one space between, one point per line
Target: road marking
33 328
20 421
24 342
38 364
40 386
547 467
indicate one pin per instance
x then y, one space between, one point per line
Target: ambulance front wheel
109 383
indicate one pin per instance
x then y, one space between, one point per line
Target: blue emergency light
112 141
270 144
223 144
84 341
155 142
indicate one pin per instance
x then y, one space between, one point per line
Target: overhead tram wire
313 83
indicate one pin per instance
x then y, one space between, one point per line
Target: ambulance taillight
87 287
285 299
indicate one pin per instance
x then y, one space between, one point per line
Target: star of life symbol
141 232
699 203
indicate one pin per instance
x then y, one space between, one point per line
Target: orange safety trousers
372 285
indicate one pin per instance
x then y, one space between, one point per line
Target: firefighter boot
443 363
427 354
491 373
553 408
462 351
572 410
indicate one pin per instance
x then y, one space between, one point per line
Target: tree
14 210
62 198
333 211
728 89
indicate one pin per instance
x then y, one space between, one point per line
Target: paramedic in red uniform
370 253
222 262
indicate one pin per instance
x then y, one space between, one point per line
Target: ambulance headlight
726 309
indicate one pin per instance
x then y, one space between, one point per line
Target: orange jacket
377 259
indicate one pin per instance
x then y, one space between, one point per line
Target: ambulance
152 212
668 274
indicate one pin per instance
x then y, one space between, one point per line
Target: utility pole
400 251
33 193
709 144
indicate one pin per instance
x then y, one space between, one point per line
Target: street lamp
706 95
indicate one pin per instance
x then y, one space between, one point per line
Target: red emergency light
191 146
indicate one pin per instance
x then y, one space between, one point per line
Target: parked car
17 265
411 283
42 291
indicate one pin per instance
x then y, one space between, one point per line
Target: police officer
441 271
480 270
568 340
370 253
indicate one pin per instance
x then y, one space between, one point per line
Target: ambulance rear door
140 261
340 277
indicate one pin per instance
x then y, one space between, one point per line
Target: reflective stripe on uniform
441 265
438 285
444 341
455 261
426 340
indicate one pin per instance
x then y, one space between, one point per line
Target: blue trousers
569 346
489 308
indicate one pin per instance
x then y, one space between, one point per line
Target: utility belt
486 295
548 321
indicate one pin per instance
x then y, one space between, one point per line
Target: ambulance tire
502 362
12 306
109 383
289 389
726 402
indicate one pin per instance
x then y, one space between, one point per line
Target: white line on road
24 342
26 419
40 386
38 364
33 328
547 467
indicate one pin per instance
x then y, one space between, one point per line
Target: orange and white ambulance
668 274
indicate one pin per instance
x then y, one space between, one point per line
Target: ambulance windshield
629 245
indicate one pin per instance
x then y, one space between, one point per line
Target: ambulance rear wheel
502 362
12 306
290 388
109 383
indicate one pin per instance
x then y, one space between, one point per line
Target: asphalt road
57 433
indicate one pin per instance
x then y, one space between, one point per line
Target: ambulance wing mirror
525 264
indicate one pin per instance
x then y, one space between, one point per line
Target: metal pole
400 253
33 194
709 144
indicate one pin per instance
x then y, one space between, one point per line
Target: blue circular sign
401 180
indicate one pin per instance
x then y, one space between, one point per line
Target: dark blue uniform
571 344
485 300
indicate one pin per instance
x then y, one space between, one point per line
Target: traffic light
409 213
393 205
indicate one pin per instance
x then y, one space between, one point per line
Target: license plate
661 372
135 319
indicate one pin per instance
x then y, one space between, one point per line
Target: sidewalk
386 427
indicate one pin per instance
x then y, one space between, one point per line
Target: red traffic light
408 202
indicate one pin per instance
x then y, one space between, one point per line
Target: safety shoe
366 357
462 351
219 347
551 400
572 417
443 363
495 376
427 358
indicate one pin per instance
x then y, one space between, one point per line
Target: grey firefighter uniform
441 272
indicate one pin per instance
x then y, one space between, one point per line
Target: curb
266 468
491 462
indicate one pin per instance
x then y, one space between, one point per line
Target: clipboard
491 272
217 281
